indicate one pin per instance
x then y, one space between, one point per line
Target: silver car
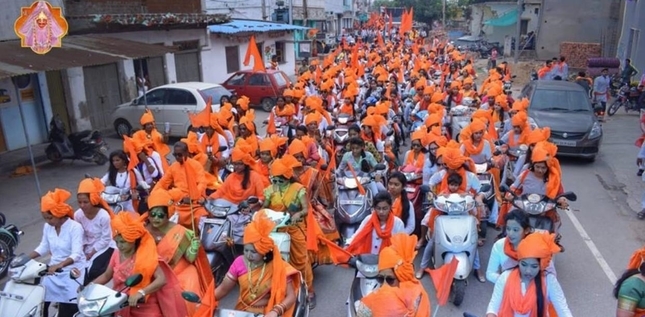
169 103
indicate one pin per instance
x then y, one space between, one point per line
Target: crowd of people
293 170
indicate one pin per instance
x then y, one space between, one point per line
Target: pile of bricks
578 53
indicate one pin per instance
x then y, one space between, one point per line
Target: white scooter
23 295
455 236
283 241
364 282
100 300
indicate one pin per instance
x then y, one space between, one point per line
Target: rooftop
240 26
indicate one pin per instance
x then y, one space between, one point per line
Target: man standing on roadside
601 91
493 58
628 72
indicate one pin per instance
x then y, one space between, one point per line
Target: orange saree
255 286
175 249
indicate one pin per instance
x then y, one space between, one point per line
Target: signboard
41 27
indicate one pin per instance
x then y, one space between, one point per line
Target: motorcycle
364 282
352 207
461 117
340 133
216 232
23 295
536 206
9 239
488 189
512 155
100 300
87 145
455 236
627 96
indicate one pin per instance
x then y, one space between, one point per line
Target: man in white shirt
601 90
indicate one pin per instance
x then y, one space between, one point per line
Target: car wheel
122 128
267 104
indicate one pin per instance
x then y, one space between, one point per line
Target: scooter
512 155
339 133
218 236
488 189
419 119
23 295
536 206
115 197
9 239
461 117
455 236
100 300
87 145
364 282
412 189
351 206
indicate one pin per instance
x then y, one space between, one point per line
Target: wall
214 58
242 9
586 21
633 17
485 11
10 12
34 115
84 7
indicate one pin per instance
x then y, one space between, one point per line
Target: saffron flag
252 51
442 280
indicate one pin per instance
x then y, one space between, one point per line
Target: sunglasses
157 214
278 180
389 279
416 145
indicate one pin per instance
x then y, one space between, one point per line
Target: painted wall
485 11
34 115
214 57
633 18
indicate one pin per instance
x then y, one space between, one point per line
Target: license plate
564 143
12 296
351 202
410 189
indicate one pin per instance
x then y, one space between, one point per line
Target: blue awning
239 26
508 18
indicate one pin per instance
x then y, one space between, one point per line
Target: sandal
419 274
480 277
481 242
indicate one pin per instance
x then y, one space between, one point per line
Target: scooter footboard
464 266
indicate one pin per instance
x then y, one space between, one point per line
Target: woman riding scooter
360 161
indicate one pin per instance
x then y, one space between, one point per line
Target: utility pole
290 11
443 19
518 33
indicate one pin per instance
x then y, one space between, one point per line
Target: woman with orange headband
401 294
630 287
151 133
530 289
61 240
287 195
244 182
267 283
137 254
178 246
94 215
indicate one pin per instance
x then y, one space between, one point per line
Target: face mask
278 181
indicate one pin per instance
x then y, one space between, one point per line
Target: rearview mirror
190 297
253 200
134 102
424 188
514 76
222 148
323 167
88 175
133 280
379 167
331 127
485 188
265 122
571 196
390 133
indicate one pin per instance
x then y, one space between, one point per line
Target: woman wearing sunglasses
287 195
178 246
401 294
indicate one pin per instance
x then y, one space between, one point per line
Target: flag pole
436 310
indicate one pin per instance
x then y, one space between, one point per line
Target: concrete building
632 38
109 45
553 21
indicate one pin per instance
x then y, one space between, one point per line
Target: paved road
599 235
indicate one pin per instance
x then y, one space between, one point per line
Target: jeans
429 249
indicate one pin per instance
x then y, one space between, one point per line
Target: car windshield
216 93
279 79
560 100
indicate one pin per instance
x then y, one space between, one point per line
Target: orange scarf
417 161
397 207
509 251
471 149
362 242
464 181
514 302
520 140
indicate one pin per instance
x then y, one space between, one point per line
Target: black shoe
640 173
312 301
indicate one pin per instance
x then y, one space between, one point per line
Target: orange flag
361 190
442 280
337 254
252 51
208 303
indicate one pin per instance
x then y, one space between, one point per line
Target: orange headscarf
130 147
541 154
398 301
637 258
93 187
538 245
454 160
476 125
54 202
146 259
520 119
400 257
165 198
280 168
538 135
241 152
257 233
297 146
267 145
147 117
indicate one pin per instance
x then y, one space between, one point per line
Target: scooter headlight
14 273
90 308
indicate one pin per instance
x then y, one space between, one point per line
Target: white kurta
376 241
123 181
97 233
59 288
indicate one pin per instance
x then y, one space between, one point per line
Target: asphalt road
599 233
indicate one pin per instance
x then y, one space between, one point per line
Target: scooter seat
77 136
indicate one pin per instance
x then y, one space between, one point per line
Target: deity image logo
41 27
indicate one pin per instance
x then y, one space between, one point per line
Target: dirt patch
522 70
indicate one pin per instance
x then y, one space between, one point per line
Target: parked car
565 108
261 87
169 103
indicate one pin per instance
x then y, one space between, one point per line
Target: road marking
592 247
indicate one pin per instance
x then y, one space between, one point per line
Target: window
279 52
154 98
237 80
232 59
258 80
560 100
216 93
181 97
279 79
524 26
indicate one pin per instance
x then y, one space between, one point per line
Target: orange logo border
25 12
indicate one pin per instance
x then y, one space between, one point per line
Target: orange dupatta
362 241
416 161
397 207
515 302
251 280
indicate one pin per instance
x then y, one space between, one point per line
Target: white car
169 103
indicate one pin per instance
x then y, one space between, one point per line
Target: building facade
632 39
